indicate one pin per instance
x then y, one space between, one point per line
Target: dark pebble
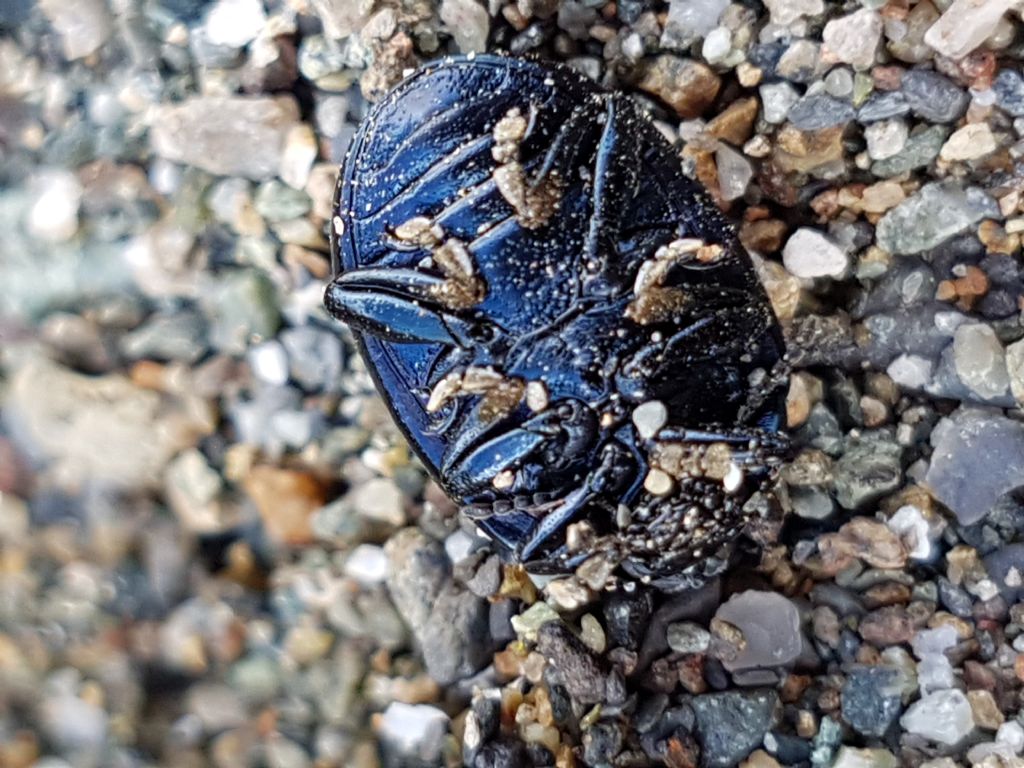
882 106
813 113
1005 567
500 620
675 723
933 96
848 645
626 615
871 699
502 754
789 749
1009 89
649 711
732 724
580 672
488 715
954 599
455 641
602 742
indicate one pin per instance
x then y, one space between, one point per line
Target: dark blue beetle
568 332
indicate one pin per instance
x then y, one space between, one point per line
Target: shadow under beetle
565 328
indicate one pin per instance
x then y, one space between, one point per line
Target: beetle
566 329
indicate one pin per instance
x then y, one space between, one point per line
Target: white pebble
650 417
234 23
53 217
810 253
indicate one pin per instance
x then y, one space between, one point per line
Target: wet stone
920 149
580 672
810 253
932 216
853 39
965 25
770 627
819 111
978 456
868 470
687 86
732 724
229 136
688 637
883 106
980 360
871 699
1009 90
690 21
944 717
776 101
933 96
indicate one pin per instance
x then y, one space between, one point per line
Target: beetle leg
567 430
398 305
727 454
615 470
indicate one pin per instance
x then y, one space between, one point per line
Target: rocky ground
215 548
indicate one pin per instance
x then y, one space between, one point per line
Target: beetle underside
569 334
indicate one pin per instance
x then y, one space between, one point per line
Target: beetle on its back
567 331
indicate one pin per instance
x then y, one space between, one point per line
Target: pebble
1009 89
977 456
418 570
688 637
234 23
367 564
269 362
468 22
933 96
690 21
914 531
886 138
226 135
868 470
987 714
770 626
734 172
865 757
298 155
730 725
819 111
649 418
980 360
853 39
132 434
883 105
687 86
1015 369
777 99
785 12
414 731
810 253
929 218
53 215
965 25
971 142
935 673
871 699
241 307
455 639
921 148
579 670
944 717
84 26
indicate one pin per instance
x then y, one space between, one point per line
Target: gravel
218 549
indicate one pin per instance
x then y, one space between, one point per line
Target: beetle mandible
565 328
